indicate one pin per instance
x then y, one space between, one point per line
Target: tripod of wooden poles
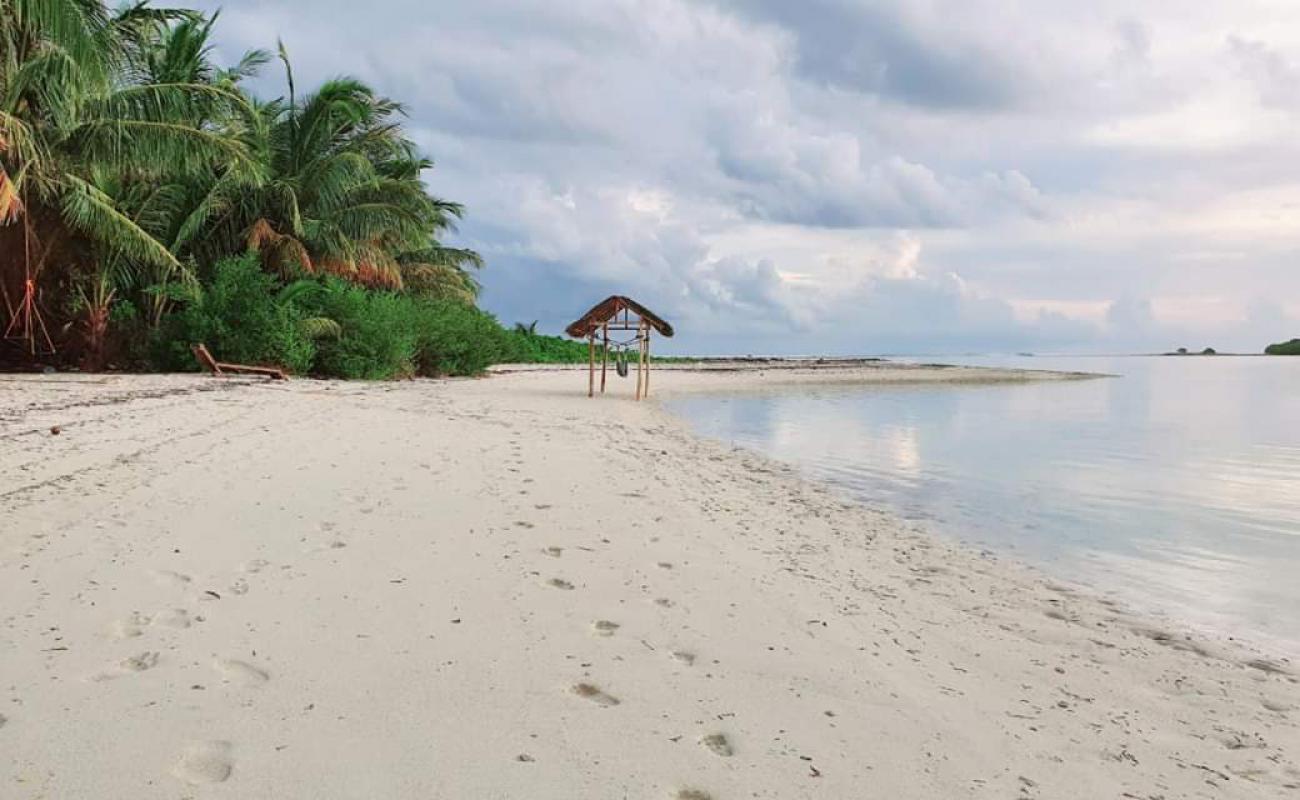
642 342
25 321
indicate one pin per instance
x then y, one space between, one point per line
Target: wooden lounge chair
219 368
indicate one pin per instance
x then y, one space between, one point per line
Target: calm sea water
1175 486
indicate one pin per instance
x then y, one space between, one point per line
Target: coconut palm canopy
130 163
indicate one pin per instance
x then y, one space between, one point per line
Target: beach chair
220 368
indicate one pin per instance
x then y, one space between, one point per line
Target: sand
498 588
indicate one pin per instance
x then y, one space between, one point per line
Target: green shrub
239 318
384 335
1290 348
376 332
330 328
458 339
526 347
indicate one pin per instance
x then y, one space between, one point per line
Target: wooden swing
615 314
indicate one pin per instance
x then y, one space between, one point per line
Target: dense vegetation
148 200
1290 348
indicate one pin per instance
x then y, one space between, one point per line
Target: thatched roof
607 309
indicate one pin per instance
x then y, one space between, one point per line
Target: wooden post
591 364
647 363
604 358
640 355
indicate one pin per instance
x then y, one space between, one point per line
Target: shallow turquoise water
1175 485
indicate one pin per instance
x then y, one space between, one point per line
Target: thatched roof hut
615 313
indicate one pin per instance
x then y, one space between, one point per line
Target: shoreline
758 374
1271 644
427 564
1213 641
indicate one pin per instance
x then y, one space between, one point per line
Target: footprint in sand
553 552
559 583
717 744
242 672
140 662
177 618
593 693
603 627
134 624
684 657
663 602
256 565
239 586
204 762
136 663
131 626
692 794
173 580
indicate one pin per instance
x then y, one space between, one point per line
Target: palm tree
130 163
74 120
175 50
339 192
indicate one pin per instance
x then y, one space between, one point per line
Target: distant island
1183 351
1291 348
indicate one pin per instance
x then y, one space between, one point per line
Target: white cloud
852 175
1275 76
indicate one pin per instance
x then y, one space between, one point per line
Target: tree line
149 199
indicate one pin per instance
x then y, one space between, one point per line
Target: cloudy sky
850 176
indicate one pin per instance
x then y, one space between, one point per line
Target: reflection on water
1176 484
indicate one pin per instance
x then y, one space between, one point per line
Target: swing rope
620 354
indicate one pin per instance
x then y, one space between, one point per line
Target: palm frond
92 213
165 101
155 146
368 221
161 209
281 252
320 328
439 282
219 199
82 29
330 182
299 290
49 85
247 67
11 201
458 257
16 139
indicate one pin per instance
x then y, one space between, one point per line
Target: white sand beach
500 588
